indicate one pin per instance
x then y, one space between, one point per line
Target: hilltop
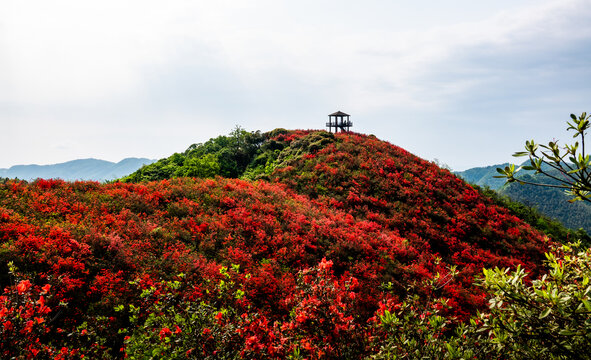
255 245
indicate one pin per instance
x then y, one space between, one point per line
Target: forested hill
550 202
322 234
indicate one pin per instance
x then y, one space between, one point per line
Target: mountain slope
483 176
323 233
82 169
550 202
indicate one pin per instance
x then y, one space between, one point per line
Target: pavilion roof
339 113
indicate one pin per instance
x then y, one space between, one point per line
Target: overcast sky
462 81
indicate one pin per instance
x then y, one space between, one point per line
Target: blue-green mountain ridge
81 169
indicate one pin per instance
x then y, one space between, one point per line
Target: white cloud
73 51
118 66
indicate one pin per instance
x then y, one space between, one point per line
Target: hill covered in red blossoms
299 256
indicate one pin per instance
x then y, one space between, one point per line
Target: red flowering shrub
168 323
438 214
25 319
347 222
323 321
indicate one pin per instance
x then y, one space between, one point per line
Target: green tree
547 318
565 167
227 156
202 167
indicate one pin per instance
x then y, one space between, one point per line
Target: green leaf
567 332
545 313
450 349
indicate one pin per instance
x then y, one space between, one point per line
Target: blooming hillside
436 212
297 259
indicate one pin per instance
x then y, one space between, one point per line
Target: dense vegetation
552 203
325 235
252 155
226 156
529 213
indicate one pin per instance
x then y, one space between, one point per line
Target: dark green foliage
242 154
266 159
551 201
226 156
276 153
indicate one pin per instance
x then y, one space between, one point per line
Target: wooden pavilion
339 120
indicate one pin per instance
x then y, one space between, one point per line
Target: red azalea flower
45 289
165 332
23 286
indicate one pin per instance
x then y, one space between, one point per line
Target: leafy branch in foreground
547 318
567 167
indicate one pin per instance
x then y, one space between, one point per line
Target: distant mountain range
550 202
82 169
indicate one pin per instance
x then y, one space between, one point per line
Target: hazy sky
463 81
